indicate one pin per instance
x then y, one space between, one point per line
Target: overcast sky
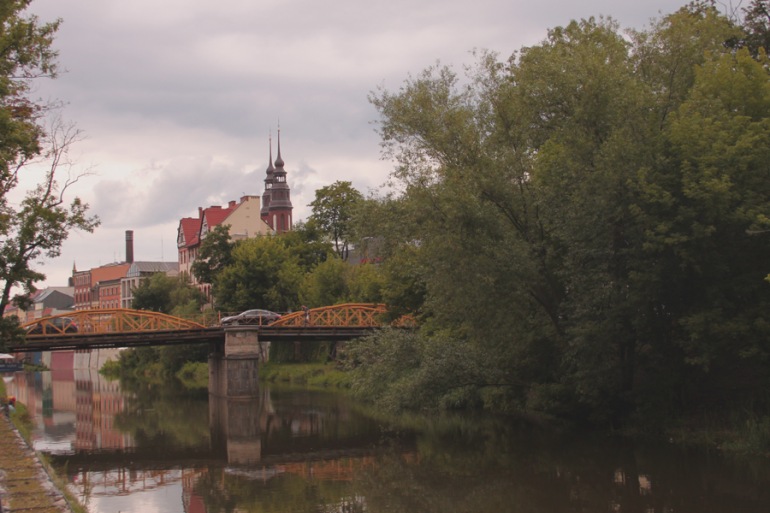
176 98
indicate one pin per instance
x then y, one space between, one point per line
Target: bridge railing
368 315
119 320
122 320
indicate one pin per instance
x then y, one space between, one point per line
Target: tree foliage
756 21
214 255
265 273
589 216
37 225
167 294
333 208
335 281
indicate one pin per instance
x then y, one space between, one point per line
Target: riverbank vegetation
588 227
36 222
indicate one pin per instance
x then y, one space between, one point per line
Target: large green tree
38 224
335 281
265 273
333 208
214 255
589 215
167 294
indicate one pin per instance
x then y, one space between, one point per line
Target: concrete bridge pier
234 368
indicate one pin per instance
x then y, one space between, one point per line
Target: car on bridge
251 317
54 325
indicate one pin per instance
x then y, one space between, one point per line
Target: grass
194 375
742 434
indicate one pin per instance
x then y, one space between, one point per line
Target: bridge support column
234 369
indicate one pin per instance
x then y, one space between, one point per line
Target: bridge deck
81 341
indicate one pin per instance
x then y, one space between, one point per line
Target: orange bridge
118 327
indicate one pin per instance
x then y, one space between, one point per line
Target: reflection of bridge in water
257 437
116 448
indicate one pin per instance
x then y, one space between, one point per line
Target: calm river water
162 449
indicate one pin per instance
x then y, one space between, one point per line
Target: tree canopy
588 217
38 224
168 294
333 208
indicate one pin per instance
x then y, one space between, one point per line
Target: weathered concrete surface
234 369
25 485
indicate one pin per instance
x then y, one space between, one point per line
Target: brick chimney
130 246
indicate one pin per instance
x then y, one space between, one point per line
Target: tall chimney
130 246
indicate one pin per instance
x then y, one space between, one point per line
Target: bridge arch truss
108 320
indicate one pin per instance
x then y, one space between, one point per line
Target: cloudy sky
176 98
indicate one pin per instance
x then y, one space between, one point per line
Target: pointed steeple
270 169
264 212
280 207
278 160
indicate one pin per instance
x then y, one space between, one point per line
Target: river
159 448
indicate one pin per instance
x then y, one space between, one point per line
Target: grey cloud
178 97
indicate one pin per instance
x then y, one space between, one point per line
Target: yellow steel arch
107 320
349 314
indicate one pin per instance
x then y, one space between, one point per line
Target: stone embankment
25 485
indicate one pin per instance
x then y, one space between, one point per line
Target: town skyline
177 101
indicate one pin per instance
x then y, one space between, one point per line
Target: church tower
276 200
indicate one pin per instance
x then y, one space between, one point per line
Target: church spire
264 212
278 160
280 207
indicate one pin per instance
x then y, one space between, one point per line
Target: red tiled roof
215 215
190 227
109 272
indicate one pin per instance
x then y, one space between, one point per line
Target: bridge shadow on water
270 430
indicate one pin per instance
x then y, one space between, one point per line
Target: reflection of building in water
51 402
193 502
75 408
97 402
343 469
122 481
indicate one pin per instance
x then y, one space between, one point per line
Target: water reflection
159 448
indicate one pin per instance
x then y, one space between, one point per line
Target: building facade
140 271
112 285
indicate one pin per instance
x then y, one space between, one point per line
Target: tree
588 217
167 294
308 243
326 284
41 222
265 273
215 254
333 209
756 22
335 281
716 229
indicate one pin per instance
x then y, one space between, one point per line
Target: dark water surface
161 449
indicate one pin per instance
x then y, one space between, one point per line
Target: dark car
257 317
55 325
